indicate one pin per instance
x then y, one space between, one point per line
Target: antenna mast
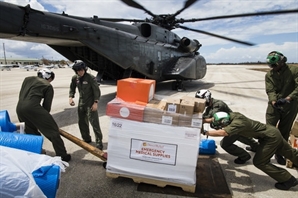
4 54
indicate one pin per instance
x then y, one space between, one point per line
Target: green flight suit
36 117
89 92
270 142
227 143
282 84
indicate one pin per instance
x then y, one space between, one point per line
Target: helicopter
147 48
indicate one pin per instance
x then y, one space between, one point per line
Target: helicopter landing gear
178 85
104 165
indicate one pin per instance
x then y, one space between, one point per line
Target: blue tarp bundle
47 178
26 142
5 124
207 147
28 174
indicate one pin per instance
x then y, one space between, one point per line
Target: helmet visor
273 59
78 68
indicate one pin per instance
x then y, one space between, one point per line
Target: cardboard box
199 105
135 89
187 107
169 118
294 130
294 141
153 103
158 104
121 109
173 105
162 105
153 151
153 115
194 120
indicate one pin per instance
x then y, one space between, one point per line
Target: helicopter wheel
178 85
104 165
174 85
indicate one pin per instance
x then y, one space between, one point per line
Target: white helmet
46 74
204 94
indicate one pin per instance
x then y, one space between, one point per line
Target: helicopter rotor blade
121 20
240 15
216 35
187 4
134 4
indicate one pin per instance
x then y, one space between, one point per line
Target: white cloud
252 54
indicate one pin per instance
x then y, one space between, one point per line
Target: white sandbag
16 167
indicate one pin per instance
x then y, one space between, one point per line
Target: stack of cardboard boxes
153 139
293 141
135 101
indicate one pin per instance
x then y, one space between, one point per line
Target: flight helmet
220 120
275 58
46 74
204 94
78 65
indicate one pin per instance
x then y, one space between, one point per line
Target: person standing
270 142
227 143
282 91
37 117
88 101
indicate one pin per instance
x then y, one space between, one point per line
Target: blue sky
273 32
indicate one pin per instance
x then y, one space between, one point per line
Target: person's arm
96 93
216 133
72 91
207 120
48 98
270 89
294 94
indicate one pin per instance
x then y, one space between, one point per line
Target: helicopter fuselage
113 49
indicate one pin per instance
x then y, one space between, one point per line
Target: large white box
154 151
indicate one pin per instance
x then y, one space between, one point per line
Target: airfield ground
240 87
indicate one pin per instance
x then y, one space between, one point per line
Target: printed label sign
172 108
167 120
156 152
195 122
191 135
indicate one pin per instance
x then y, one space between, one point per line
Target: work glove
204 132
281 102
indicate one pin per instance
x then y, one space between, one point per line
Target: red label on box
121 109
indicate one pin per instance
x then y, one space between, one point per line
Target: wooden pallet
159 183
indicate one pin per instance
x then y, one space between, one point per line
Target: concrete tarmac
241 88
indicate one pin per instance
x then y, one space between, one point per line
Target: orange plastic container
136 90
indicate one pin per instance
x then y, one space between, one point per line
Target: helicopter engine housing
188 45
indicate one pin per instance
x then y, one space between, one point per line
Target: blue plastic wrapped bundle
207 147
28 174
32 143
48 178
5 124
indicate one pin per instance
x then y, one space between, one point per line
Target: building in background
22 61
